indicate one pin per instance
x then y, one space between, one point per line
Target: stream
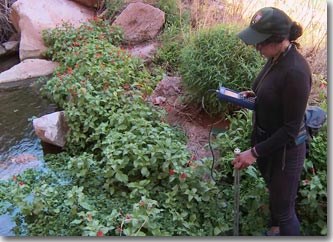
20 148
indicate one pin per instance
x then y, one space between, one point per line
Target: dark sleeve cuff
254 152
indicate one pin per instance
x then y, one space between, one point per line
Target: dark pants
283 185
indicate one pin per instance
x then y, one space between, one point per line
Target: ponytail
296 30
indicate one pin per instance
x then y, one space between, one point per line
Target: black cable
203 100
209 143
212 151
209 136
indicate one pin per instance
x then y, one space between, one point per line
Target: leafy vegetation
127 172
173 37
311 203
312 199
216 57
109 9
253 195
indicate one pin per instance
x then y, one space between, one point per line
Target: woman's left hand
243 160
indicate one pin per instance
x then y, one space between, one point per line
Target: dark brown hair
295 32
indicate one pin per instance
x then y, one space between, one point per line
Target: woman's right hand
247 93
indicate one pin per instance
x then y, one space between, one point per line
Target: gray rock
51 128
27 69
31 17
141 22
11 46
144 52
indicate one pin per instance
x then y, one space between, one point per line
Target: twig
143 224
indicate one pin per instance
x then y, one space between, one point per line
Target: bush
215 57
172 39
312 199
66 46
110 9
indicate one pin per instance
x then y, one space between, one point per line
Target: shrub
66 46
172 38
215 57
110 8
312 199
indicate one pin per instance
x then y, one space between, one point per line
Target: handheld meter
228 95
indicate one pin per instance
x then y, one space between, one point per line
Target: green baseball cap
265 23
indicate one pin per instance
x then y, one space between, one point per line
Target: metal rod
236 196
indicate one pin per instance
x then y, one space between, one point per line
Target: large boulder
31 17
28 69
140 22
51 128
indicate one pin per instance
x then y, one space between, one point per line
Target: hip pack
314 119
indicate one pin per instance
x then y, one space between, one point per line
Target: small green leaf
145 172
121 177
76 221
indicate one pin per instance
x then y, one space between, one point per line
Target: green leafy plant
253 195
66 46
312 202
110 9
172 39
124 171
312 195
216 57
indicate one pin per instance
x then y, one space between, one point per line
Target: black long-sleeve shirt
282 97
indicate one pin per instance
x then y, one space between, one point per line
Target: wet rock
9 169
27 69
51 128
23 158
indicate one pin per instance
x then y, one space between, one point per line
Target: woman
282 89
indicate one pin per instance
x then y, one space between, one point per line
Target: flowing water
20 148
